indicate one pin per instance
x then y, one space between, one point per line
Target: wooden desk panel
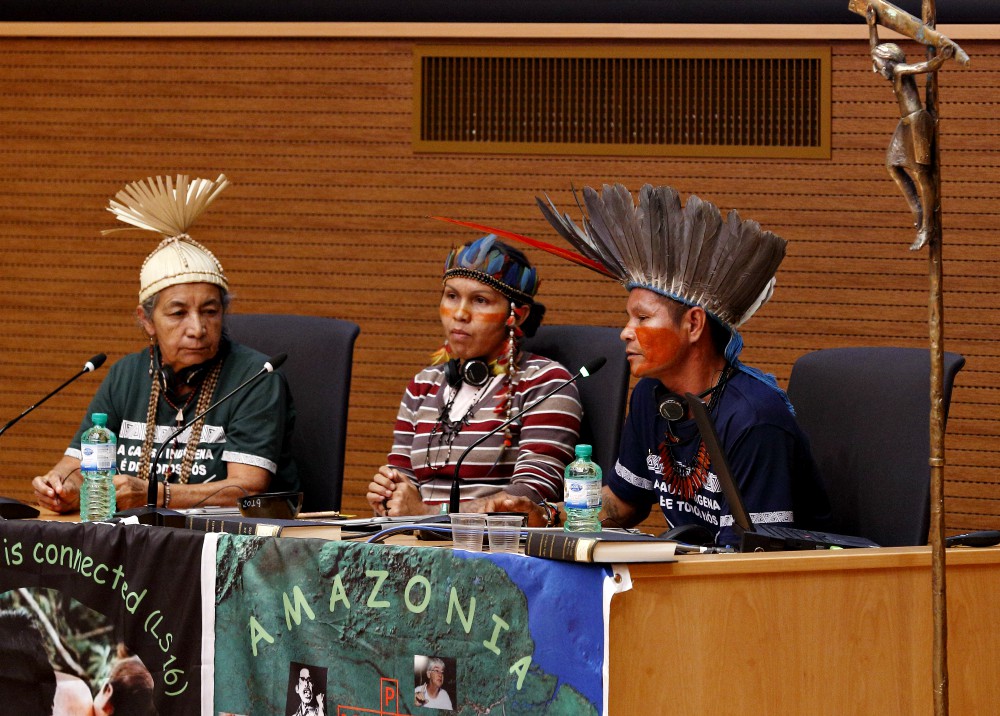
796 633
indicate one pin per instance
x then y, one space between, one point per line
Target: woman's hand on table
130 492
57 492
538 516
380 489
390 493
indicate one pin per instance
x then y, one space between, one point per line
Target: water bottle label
100 456
582 494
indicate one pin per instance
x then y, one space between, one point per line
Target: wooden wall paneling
328 215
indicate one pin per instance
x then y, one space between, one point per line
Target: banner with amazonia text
154 620
345 629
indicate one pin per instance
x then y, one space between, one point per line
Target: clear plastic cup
504 532
467 530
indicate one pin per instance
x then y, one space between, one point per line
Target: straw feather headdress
170 207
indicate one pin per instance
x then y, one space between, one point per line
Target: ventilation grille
756 102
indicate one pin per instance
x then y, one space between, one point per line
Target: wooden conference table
795 633
800 633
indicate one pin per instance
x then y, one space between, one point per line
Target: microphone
153 515
88 367
585 372
673 407
11 509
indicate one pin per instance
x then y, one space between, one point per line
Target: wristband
551 513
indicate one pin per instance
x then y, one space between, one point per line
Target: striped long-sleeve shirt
542 441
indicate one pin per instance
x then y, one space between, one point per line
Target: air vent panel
683 101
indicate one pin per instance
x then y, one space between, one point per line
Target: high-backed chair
867 414
320 355
605 394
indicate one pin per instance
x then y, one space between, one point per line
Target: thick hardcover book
239 525
602 547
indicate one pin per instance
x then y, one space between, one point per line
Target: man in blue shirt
693 278
677 349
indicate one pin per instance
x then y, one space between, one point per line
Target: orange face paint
659 344
480 316
492 317
474 318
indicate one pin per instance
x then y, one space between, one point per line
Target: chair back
320 355
867 414
604 394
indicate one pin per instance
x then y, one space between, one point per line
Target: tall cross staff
913 162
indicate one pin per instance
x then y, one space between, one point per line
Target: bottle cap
100 419
584 451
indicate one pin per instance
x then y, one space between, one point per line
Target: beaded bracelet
166 494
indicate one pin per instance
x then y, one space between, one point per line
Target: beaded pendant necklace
165 394
685 480
204 389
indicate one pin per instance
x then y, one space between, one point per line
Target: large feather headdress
687 253
169 207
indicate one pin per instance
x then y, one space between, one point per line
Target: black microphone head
593 366
274 362
95 362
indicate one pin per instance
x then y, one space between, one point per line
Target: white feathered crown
169 207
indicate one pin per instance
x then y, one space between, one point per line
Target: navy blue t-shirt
768 454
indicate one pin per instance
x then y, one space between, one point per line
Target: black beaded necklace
446 429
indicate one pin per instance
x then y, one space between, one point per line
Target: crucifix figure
910 156
912 161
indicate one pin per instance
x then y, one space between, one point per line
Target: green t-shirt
254 427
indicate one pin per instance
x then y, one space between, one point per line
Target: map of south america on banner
344 629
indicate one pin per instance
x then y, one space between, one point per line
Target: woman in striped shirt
476 381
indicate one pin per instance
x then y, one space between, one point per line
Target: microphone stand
585 372
11 509
162 516
88 367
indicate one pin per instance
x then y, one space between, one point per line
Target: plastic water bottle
98 448
582 492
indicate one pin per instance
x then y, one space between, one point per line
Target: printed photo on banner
306 690
434 682
62 658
